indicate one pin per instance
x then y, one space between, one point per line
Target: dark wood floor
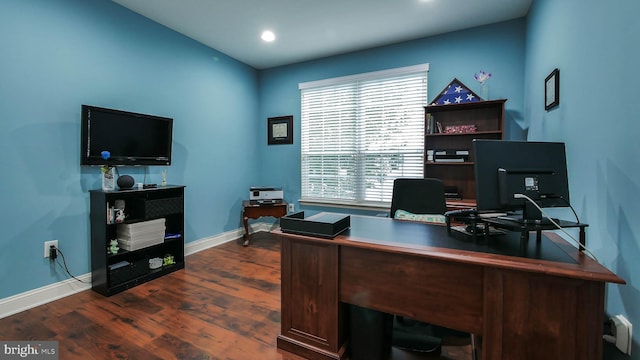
224 305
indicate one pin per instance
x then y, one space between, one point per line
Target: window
361 132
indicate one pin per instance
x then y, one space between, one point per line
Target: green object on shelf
113 247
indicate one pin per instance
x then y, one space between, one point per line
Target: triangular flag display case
456 93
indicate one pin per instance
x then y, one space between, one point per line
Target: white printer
265 195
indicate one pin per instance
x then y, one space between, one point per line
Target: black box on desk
324 224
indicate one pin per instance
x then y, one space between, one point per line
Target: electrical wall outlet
292 207
47 246
622 331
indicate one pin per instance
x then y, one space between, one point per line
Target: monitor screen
504 170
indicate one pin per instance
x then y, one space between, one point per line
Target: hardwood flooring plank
228 313
82 336
169 346
29 326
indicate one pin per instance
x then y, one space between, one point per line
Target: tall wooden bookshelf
453 127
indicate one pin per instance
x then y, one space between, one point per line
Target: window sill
345 205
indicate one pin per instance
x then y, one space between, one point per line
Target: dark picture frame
552 90
280 130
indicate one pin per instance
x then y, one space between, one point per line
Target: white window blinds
361 132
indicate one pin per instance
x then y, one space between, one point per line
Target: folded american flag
455 93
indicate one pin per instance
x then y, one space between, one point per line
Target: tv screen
505 169
131 138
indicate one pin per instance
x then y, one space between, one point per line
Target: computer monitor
504 169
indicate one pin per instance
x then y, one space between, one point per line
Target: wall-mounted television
131 138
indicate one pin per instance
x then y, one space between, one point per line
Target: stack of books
450 155
141 234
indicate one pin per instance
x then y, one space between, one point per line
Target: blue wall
57 55
497 48
596 51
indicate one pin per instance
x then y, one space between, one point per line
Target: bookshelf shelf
443 163
472 134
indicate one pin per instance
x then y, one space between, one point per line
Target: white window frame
358 197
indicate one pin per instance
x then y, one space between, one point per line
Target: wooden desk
250 211
546 304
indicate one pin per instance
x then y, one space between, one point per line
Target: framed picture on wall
280 130
552 90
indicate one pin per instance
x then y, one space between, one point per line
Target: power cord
580 246
53 255
570 207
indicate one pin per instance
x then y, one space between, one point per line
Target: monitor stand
528 222
531 215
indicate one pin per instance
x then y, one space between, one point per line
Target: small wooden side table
251 211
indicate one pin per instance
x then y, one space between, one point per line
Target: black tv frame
136 128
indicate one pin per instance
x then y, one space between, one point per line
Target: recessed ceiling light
268 36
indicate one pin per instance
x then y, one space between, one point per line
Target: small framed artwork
280 130
552 90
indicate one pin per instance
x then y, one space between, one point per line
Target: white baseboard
209 242
40 296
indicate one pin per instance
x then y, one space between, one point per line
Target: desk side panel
439 292
312 318
532 316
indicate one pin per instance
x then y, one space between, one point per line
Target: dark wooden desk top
552 256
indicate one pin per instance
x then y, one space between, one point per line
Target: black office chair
419 196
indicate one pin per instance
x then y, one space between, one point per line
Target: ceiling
312 29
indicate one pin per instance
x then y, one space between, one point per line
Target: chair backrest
418 196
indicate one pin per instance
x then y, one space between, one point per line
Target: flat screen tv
505 170
131 138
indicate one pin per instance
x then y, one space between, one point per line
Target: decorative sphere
125 182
